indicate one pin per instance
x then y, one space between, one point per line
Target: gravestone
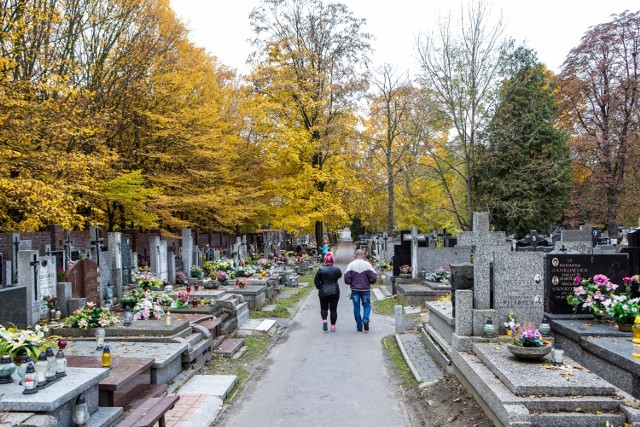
561 269
46 283
414 238
64 294
171 266
575 240
85 280
8 273
461 280
633 249
187 251
126 262
28 272
518 286
95 244
485 244
60 260
158 257
432 258
115 252
401 253
104 275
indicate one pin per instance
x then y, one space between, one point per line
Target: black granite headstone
125 249
401 253
561 269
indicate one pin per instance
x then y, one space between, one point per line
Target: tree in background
389 145
460 64
523 175
310 61
599 86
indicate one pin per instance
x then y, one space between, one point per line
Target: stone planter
625 327
405 276
529 353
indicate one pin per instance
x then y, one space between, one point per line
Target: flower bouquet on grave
13 341
405 269
147 280
182 300
60 274
91 317
197 272
146 309
511 326
591 294
181 278
439 276
623 309
222 278
52 302
528 344
128 301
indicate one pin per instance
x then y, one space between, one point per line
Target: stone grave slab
57 400
229 347
85 280
201 309
139 328
255 296
214 385
266 325
167 355
526 379
250 325
579 328
378 294
616 350
269 308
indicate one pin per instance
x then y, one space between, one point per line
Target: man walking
360 275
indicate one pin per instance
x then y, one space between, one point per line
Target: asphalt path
316 378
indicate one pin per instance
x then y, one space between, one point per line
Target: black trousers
329 302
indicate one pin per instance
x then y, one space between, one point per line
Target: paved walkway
316 378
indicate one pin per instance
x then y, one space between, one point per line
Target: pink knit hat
328 258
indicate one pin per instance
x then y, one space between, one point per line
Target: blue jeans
365 297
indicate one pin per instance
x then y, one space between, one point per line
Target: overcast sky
552 28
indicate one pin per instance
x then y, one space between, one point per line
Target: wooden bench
150 411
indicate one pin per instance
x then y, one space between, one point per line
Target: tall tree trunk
319 235
391 201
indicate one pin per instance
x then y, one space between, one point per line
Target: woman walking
326 280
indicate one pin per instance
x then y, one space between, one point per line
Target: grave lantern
558 354
544 327
106 357
41 370
7 368
636 331
100 333
22 369
489 329
61 361
30 379
51 365
128 317
81 412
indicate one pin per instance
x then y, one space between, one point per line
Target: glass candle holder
51 365
106 357
41 370
194 302
558 354
195 287
100 334
81 412
188 289
30 380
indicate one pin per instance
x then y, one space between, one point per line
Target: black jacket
326 280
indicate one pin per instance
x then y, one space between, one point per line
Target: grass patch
385 307
408 380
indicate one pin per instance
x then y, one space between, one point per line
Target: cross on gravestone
67 242
16 246
97 243
414 237
533 239
485 243
34 264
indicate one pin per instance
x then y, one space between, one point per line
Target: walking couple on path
359 275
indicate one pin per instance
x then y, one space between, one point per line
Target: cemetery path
313 378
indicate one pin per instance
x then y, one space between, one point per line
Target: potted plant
197 272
